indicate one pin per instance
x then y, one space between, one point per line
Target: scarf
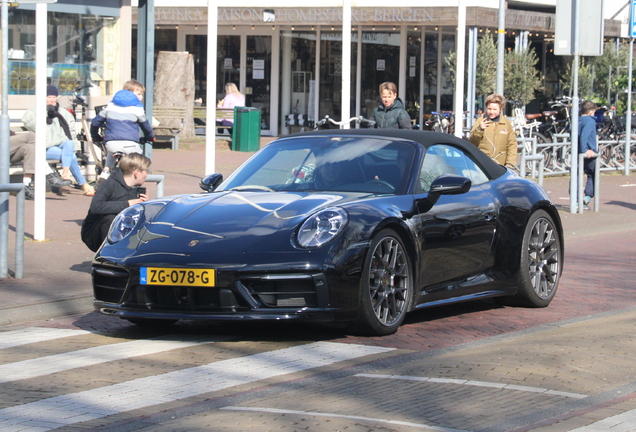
54 113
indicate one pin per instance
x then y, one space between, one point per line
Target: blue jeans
66 153
589 165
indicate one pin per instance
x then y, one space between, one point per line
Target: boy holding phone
122 189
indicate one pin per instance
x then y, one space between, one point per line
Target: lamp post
501 48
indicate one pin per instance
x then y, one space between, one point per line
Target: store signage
330 16
632 19
193 15
529 20
301 15
173 15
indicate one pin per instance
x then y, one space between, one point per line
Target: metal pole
345 102
19 234
146 58
210 91
459 77
159 179
39 204
472 79
19 227
358 96
628 120
609 85
4 144
501 47
575 112
420 118
597 183
581 185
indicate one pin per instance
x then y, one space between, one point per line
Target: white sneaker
104 175
102 178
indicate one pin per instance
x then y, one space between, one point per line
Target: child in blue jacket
122 119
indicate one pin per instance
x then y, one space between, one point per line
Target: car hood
228 222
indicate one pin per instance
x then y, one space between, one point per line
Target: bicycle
526 126
328 120
84 134
440 122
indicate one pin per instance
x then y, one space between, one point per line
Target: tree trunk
174 87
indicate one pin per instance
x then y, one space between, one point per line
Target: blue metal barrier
19 233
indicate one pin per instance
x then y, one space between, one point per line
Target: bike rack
19 232
525 157
159 179
597 183
533 159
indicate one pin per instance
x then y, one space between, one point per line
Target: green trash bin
246 132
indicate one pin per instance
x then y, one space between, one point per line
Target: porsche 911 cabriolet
350 226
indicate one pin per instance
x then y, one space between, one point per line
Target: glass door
259 76
380 63
228 64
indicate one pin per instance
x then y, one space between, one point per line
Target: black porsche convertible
354 226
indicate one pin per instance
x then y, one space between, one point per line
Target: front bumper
307 295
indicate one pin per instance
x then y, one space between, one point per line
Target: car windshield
327 163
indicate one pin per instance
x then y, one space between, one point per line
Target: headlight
322 227
124 223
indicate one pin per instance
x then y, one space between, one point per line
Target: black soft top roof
425 138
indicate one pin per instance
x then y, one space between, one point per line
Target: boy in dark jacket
119 191
122 118
390 114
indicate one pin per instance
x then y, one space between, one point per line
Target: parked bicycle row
557 155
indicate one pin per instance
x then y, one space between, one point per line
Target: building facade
286 59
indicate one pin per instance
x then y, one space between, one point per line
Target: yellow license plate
177 276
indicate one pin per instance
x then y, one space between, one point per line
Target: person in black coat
390 114
119 191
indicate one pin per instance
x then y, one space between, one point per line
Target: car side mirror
211 182
450 184
446 184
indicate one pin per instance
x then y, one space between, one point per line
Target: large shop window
78 52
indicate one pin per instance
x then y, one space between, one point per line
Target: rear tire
540 263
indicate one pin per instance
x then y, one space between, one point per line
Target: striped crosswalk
92 356
26 336
37 397
68 409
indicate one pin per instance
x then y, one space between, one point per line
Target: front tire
541 262
386 286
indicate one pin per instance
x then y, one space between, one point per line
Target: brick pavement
552 378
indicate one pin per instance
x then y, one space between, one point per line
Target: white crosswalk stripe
13 338
625 422
91 356
56 412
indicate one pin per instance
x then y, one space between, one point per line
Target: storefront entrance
244 57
